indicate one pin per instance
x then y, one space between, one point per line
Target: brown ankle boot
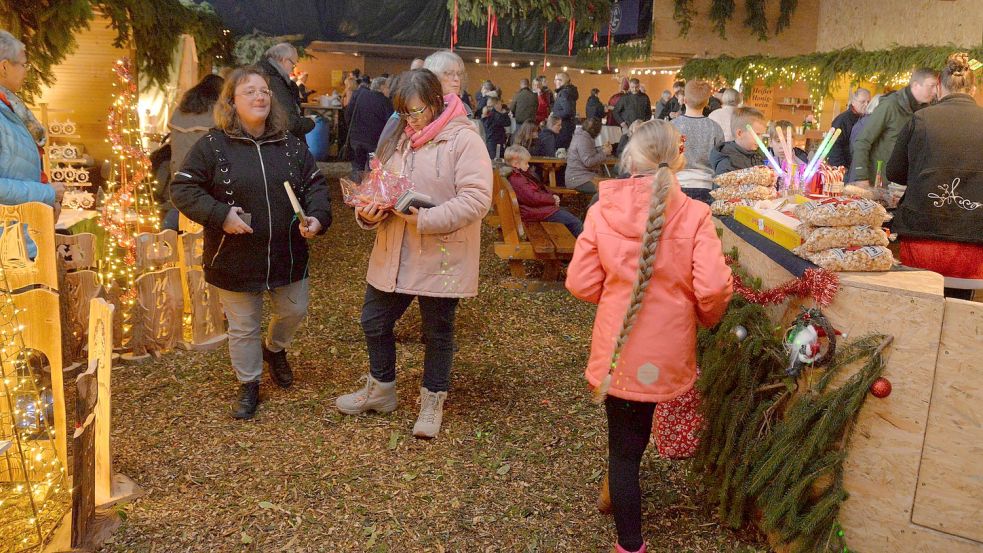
604 497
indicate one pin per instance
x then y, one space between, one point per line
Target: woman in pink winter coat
649 257
430 254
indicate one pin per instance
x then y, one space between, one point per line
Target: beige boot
374 396
431 413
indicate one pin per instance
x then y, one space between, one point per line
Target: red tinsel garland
819 284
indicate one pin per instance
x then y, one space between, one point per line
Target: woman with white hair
21 137
730 99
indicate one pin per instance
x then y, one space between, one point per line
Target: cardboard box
772 224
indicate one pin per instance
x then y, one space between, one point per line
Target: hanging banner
624 18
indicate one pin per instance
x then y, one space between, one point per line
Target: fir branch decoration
48 32
596 58
822 70
756 19
721 12
590 15
787 8
683 14
762 449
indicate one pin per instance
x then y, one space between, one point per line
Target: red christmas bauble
881 388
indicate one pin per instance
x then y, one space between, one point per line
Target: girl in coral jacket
649 257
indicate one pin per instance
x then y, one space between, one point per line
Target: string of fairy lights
34 476
130 207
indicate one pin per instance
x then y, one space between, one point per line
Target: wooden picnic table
550 166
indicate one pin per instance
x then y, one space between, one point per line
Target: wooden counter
915 465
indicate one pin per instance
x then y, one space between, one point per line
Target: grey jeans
244 310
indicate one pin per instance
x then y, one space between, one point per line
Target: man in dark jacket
278 61
876 142
370 112
840 154
674 105
524 104
632 106
565 108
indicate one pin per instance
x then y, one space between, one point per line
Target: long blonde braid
653 147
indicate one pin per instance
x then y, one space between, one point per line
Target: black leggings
629 429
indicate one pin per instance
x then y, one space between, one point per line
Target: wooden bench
550 243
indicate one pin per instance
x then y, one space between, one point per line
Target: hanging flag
624 18
545 51
573 27
454 27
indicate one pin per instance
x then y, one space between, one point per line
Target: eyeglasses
452 74
27 66
252 93
413 113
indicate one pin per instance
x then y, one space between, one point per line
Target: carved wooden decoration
100 362
156 316
16 245
76 255
76 251
154 251
83 458
207 318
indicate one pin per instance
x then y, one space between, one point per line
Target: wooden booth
912 469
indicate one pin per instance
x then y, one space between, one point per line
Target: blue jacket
20 163
20 169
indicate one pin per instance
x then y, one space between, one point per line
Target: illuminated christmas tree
129 209
34 494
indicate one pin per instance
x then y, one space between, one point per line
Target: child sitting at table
546 144
701 135
742 152
496 120
536 202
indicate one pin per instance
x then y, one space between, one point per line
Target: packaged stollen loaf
866 258
758 175
727 207
838 212
743 192
816 239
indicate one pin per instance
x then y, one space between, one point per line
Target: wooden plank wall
85 84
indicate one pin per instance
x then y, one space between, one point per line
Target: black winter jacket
937 155
839 154
222 172
565 108
370 112
287 95
595 108
730 157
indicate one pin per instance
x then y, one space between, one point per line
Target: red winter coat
544 105
535 201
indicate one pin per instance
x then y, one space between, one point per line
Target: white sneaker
431 414
374 396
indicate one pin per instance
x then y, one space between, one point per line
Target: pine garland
721 12
756 19
590 15
596 58
766 446
821 71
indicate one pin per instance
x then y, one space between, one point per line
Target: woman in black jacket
232 182
937 155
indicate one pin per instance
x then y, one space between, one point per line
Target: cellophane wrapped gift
378 185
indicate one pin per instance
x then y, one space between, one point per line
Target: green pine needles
768 449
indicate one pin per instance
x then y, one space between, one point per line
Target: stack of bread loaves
742 187
844 234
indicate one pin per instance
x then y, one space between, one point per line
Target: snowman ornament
811 341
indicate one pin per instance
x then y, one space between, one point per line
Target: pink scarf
453 107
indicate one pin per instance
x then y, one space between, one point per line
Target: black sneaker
245 407
279 368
